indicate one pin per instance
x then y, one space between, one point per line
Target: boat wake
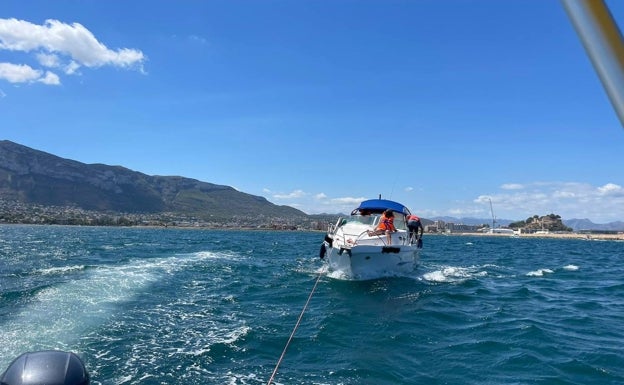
59 315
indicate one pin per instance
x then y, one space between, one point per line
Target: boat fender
329 240
323 251
50 367
390 249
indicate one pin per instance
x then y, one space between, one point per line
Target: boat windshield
373 220
364 219
399 222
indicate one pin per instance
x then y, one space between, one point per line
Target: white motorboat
355 251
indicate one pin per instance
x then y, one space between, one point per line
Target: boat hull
359 247
370 262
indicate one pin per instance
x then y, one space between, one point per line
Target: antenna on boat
604 45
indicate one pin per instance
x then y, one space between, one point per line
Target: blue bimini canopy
381 205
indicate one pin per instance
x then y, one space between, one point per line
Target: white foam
570 267
435 276
322 270
338 274
61 270
539 273
124 379
209 255
56 317
454 274
235 335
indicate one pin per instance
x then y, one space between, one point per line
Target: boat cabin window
373 220
364 219
399 221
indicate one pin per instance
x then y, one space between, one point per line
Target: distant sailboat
494 229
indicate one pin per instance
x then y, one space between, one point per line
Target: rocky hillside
34 177
551 222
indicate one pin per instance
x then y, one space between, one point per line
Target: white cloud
59 45
50 78
48 60
71 68
564 194
19 73
601 204
314 203
512 186
347 200
483 199
569 199
610 189
292 195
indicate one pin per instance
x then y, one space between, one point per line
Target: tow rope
292 334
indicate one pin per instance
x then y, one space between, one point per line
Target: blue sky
441 105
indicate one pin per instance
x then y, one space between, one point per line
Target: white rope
292 334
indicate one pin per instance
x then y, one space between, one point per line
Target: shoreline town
585 236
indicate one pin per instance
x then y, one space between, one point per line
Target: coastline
582 236
602 237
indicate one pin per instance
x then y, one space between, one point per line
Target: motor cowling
49 367
322 251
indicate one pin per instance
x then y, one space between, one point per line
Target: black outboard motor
327 243
322 251
49 367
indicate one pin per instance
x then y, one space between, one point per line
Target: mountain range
30 176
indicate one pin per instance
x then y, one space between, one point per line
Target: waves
454 274
136 317
208 307
105 303
459 274
60 313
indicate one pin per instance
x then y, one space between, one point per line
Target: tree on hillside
517 225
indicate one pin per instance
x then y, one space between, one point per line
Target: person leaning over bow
385 226
413 224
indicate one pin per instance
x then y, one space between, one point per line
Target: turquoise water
169 306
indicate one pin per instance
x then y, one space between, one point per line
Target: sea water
173 306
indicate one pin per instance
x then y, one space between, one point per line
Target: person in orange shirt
413 224
385 226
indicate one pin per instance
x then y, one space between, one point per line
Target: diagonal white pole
604 45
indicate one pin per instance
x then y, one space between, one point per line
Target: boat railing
349 240
361 236
331 229
403 238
